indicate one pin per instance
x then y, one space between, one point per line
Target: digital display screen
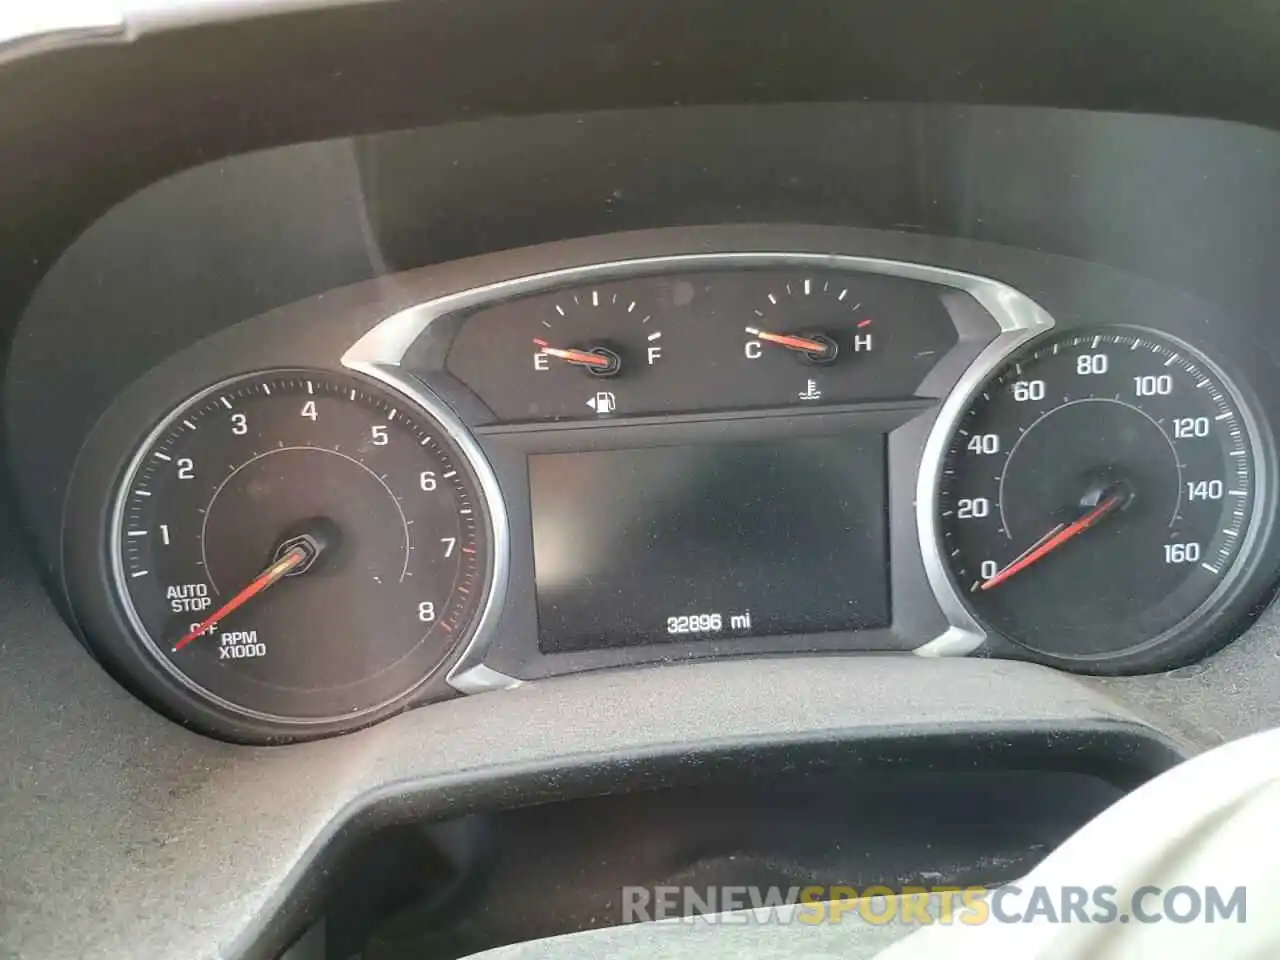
674 544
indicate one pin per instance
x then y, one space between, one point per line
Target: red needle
280 568
1052 541
790 342
584 357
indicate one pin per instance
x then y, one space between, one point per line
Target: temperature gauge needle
586 358
1055 538
278 570
815 348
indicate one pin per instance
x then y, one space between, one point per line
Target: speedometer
1097 499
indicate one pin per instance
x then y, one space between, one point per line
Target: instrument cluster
651 457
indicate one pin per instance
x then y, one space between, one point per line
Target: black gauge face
1097 496
302 546
691 342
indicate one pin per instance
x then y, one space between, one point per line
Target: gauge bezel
494 527
1207 627
385 346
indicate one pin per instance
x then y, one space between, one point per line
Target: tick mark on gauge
189 424
559 309
547 324
451 474
631 306
138 573
863 324
164 457
266 389
843 293
225 402
655 336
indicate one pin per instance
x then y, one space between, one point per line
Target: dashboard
416 432
653 456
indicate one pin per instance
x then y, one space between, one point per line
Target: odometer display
1098 494
301 547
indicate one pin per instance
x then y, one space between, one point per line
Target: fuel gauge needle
585 358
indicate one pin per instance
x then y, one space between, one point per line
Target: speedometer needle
279 569
1055 538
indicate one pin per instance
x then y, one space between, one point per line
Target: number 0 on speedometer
1097 496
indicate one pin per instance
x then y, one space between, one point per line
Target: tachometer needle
279 569
1054 539
584 357
803 344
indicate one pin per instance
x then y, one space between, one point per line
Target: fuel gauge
583 352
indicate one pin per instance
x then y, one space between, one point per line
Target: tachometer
302 547
1098 497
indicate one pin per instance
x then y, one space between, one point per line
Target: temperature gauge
809 322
